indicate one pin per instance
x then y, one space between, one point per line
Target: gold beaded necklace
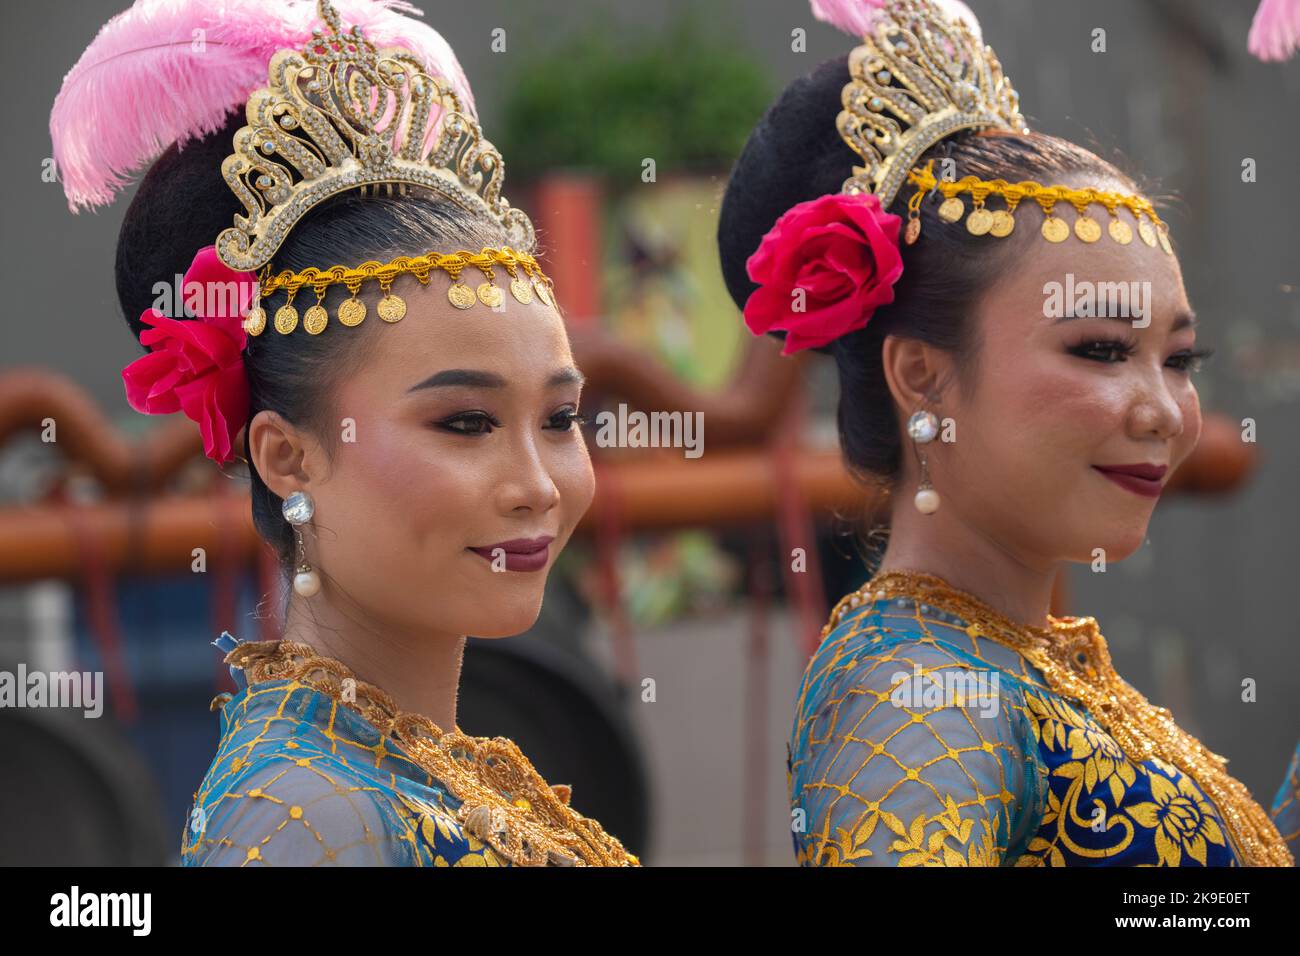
504 800
1073 658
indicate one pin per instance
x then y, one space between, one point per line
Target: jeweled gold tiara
919 76
341 114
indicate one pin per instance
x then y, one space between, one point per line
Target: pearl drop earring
298 509
923 426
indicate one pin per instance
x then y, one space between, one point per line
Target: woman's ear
915 372
279 452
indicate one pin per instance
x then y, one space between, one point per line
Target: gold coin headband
526 281
1001 222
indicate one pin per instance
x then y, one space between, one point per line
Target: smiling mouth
1147 487
519 555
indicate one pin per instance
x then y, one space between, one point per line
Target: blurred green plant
684 97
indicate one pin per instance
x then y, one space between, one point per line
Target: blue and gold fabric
302 778
931 731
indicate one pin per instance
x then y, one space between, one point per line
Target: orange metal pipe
656 491
159 535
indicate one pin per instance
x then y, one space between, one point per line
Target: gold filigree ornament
1072 656
341 114
919 77
504 802
916 78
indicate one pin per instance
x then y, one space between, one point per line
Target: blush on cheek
1073 412
420 483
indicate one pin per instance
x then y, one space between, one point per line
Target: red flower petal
197 366
219 291
842 252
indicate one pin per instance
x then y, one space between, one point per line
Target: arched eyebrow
477 378
1184 319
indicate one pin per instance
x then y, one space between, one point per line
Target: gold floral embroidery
933 850
1072 656
1181 817
1095 758
1059 725
848 847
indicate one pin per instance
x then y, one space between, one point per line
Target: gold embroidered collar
503 800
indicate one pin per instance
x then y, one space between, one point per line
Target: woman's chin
1111 546
508 619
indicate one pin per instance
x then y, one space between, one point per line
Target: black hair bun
180 206
794 154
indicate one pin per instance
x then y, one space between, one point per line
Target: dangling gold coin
522 290
1163 234
912 232
255 321
1003 223
314 319
352 312
461 295
979 222
543 292
1120 231
489 295
951 209
1147 233
286 319
1055 230
391 308
1087 229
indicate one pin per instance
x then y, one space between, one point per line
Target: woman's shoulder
285 810
909 723
300 780
866 635
293 802
271 721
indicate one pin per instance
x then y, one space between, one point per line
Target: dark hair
183 203
796 154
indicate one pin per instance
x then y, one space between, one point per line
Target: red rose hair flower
197 366
823 269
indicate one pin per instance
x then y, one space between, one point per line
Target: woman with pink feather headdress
330 284
893 210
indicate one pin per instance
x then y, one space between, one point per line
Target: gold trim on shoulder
504 800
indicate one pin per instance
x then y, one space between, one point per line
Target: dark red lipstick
1142 479
520 554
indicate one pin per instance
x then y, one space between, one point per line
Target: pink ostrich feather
855 17
1275 31
142 85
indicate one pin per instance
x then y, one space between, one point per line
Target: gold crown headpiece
920 76
343 115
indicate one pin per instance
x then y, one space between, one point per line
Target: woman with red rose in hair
947 719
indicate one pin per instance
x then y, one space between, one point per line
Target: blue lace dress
921 739
302 778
